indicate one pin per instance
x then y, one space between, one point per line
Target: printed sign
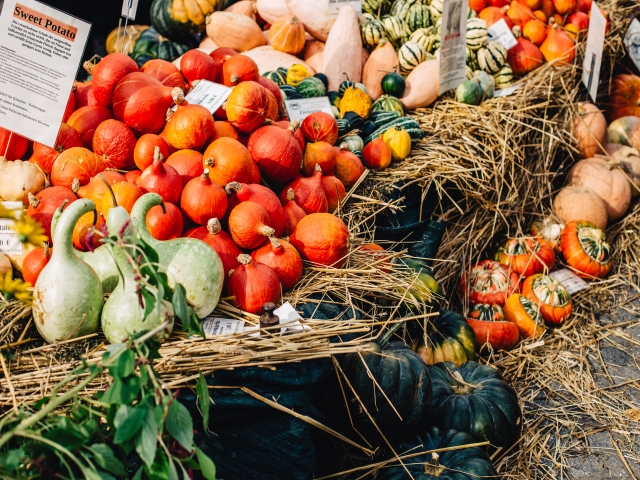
336 5
9 243
40 50
221 326
129 9
453 44
570 280
632 42
208 94
500 32
593 54
303 107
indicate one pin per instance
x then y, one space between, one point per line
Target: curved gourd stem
382 341
113 195
139 215
66 224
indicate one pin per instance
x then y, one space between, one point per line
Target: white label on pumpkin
335 6
500 32
9 243
632 42
129 9
40 51
208 94
505 92
570 280
593 54
453 44
303 107
221 326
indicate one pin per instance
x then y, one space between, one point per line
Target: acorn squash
151 45
449 338
175 19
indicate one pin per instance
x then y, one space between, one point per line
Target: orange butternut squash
382 60
315 16
422 85
234 30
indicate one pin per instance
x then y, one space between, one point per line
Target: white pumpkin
272 10
269 59
19 178
315 16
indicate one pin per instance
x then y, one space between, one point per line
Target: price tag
303 107
336 5
505 92
221 326
9 243
570 280
453 44
129 9
500 32
593 54
632 42
208 94
290 319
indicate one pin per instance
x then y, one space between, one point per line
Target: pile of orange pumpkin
120 140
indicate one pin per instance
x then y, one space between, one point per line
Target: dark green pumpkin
276 77
393 84
449 338
344 86
355 121
334 98
311 87
324 79
175 19
422 286
475 399
462 464
402 376
343 127
151 45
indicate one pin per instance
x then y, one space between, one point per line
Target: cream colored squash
244 7
272 10
343 50
208 44
19 178
422 85
269 59
589 128
580 203
313 54
629 162
383 60
315 16
234 30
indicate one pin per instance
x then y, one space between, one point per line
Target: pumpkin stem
234 78
88 66
517 31
382 342
267 231
113 195
232 187
294 20
244 259
75 185
205 174
275 243
207 20
213 226
462 387
317 168
209 162
177 95
383 41
295 125
434 468
344 146
290 194
33 201
157 155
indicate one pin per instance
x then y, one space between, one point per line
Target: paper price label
593 54
500 32
129 9
570 280
505 92
221 326
303 107
335 6
9 243
208 94
453 46
632 42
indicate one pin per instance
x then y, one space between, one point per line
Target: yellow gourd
296 74
355 100
399 142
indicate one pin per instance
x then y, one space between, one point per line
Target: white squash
315 16
422 85
269 59
343 50
272 10
313 54
19 178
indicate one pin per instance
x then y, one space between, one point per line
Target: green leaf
194 327
179 301
128 422
14 459
179 425
122 391
105 458
125 364
147 441
204 400
68 434
149 302
173 473
138 475
160 468
207 466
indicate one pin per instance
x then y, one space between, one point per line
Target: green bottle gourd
122 315
68 296
188 261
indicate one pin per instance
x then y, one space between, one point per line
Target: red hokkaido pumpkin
583 6
76 163
190 126
87 235
238 69
535 31
43 205
132 176
293 212
44 156
282 258
564 6
188 163
321 238
519 13
624 99
493 14
228 161
12 145
126 195
114 143
579 19
524 57
71 105
249 224
334 190
220 56
96 188
248 106
532 4
106 75
84 94
34 262
558 46
256 178
162 179
213 235
273 88
497 3
86 119
320 127
477 5
141 102
165 72
223 129
297 134
145 148
548 8
197 65
319 154
308 193
203 199
349 167
252 284
164 226
377 154
276 151
242 192
489 282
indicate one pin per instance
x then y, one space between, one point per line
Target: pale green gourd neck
139 216
63 245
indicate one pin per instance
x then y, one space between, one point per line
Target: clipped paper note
569 280
453 45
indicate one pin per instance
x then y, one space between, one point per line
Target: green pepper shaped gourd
68 295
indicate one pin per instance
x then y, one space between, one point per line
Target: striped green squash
343 127
471 60
504 78
468 72
471 13
344 86
283 71
477 36
436 7
289 91
372 32
382 117
401 7
418 16
276 77
424 38
388 103
492 57
410 55
311 87
395 28
334 98
408 124
371 6
437 25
